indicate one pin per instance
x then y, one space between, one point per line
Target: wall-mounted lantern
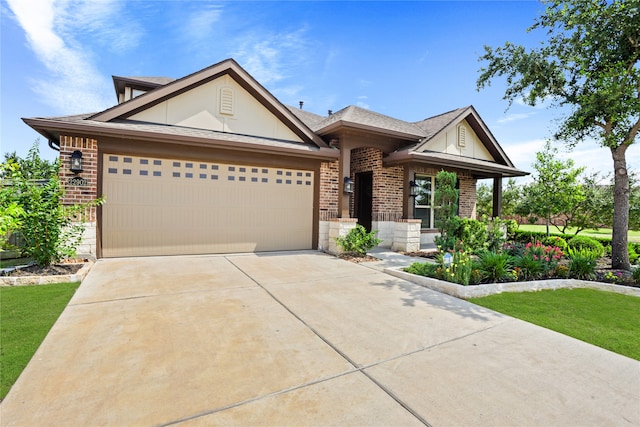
348 185
76 162
414 189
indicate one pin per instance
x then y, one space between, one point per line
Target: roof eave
49 128
474 165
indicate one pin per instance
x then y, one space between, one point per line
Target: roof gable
284 121
437 127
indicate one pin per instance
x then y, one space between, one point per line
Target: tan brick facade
80 194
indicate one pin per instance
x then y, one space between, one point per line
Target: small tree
51 230
32 166
445 200
555 189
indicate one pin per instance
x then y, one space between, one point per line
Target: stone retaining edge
47 280
466 292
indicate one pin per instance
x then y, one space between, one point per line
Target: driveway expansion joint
356 366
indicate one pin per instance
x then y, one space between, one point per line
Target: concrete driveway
304 339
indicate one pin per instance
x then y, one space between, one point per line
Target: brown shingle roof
364 118
432 125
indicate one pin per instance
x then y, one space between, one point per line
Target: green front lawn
27 313
605 319
605 233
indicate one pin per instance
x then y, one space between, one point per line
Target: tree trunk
619 244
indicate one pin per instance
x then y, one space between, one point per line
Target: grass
604 319
27 313
605 233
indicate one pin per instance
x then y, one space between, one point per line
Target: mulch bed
358 259
67 267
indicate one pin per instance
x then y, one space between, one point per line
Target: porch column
344 171
497 196
408 201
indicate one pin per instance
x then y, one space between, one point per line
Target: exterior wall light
413 189
76 162
348 185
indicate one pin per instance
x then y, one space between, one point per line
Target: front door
364 198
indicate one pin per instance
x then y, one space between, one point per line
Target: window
423 202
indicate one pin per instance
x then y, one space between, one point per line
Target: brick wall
467 184
467 201
387 183
73 193
329 190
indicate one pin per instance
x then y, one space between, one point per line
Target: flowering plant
548 256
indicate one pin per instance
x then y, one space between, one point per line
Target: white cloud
514 117
363 105
200 23
270 58
74 85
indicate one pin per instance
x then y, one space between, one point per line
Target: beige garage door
168 207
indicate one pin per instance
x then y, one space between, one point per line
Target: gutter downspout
54 145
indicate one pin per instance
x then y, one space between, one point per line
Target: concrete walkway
304 339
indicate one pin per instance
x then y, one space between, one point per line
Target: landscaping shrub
358 241
446 204
471 233
496 234
636 275
556 241
582 263
495 267
633 254
585 242
426 269
527 268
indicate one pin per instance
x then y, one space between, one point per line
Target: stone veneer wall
81 194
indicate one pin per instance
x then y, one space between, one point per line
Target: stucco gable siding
200 108
448 143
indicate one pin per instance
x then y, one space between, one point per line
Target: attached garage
164 206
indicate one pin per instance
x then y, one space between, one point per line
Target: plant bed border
47 280
475 291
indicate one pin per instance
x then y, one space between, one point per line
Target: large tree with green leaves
590 64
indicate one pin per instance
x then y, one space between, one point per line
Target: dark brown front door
364 198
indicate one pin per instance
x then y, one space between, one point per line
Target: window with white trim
423 202
423 208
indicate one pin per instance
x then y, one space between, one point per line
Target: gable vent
462 136
227 104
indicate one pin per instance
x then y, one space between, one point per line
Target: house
214 163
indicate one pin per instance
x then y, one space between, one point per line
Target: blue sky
409 60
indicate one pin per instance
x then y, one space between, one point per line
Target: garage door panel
165 206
